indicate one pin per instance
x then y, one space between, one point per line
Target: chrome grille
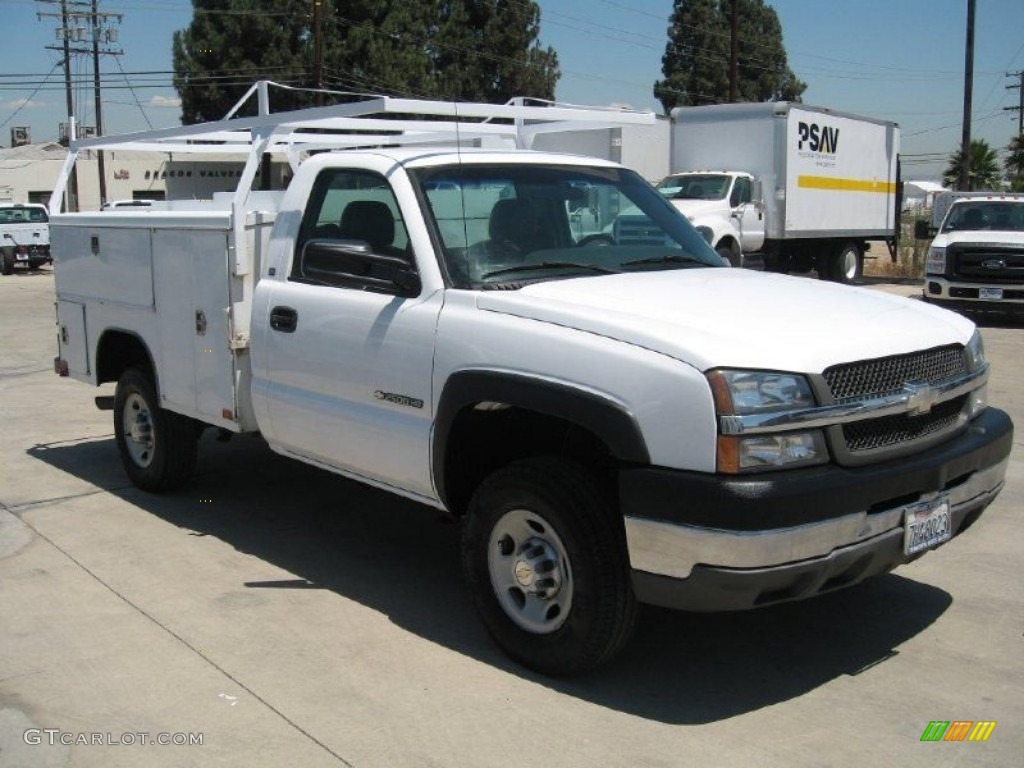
893 430
887 375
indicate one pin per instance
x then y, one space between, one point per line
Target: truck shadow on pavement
401 559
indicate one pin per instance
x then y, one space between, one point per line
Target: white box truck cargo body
804 186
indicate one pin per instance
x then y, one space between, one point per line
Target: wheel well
728 242
487 436
119 351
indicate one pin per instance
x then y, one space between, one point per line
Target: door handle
284 319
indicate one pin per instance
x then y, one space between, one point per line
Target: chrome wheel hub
530 571
138 430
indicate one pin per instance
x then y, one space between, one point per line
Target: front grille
887 375
986 263
974 293
888 431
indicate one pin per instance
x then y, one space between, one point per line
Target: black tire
725 253
846 264
164 461
7 262
565 508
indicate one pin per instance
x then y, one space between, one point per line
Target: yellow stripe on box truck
845 185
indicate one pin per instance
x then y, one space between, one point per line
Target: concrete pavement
290 617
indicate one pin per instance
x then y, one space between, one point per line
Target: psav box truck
800 187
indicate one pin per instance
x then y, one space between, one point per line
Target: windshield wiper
549 265
667 259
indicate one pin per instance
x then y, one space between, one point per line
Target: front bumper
966 297
709 543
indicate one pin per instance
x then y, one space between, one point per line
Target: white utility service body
975 260
804 186
607 433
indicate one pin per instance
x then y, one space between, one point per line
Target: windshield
696 186
19 215
985 214
507 225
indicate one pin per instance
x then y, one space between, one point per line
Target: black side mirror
353 263
923 229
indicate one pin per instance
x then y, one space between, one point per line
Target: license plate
926 525
21 256
990 294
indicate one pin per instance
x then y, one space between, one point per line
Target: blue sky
899 60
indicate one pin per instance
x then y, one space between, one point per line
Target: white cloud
164 102
23 104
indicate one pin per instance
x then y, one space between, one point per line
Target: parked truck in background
594 407
796 186
975 262
24 236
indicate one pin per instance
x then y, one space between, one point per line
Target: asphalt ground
287 617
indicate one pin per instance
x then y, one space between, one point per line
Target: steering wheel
599 239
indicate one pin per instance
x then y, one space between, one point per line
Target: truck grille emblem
920 397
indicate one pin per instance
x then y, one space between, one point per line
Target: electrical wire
27 101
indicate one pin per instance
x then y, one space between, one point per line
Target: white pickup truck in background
975 261
797 186
24 236
596 410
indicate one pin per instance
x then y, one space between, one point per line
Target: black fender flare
610 421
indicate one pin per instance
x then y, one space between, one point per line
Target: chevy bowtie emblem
920 397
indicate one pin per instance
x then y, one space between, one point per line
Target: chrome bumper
672 550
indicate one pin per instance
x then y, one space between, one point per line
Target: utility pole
79 19
734 49
965 144
318 51
1019 109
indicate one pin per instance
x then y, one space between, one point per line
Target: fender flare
607 419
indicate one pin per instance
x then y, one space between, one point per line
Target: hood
696 208
711 318
980 236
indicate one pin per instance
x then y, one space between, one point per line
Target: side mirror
352 263
756 193
923 229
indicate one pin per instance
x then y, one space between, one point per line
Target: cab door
347 372
748 214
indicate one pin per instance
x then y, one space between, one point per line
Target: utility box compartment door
71 339
193 305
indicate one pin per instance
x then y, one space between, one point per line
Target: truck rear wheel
846 264
7 261
544 556
157 447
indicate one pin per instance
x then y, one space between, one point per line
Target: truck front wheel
846 264
544 556
157 447
7 261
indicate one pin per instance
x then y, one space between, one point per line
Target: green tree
468 49
229 45
696 61
1014 163
982 164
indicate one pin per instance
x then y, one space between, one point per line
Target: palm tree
1014 163
983 167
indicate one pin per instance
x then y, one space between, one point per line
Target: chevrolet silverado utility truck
614 419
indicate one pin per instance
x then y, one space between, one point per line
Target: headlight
975 352
739 393
936 261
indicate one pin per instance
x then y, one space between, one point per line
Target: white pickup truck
24 236
613 422
975 262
